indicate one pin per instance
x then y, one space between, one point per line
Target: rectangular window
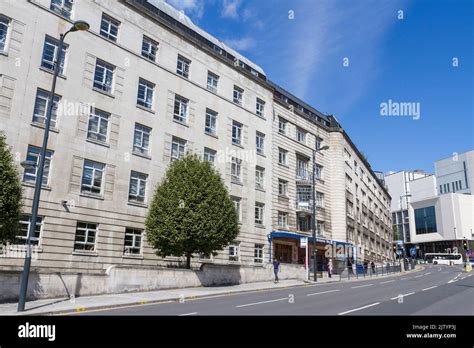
259 178
137 189
319 172
50 54
211 122
282 125
141 139
181 109
320 199
209 155
4 26
259 211
234 252
104 76
33 155
86 234
41 108
92 177
98 125
282 219
212 82
183 65
109 27
302 172
178 148
425 220
237 206
319 143
282 187
236 133
238 95
319 227
24 228
62 7
260 143
236 169
145 93
149 48
260 108
301 135
133 241
283 157
258 253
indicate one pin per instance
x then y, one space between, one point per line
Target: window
50 54
348 183
24 227
282 187
178 148
141 139
145 93
282 125
238 95
260 108
319 172
259 210
209 155
62 7
319 143
149 48
258 253
183 66
211 122
181 109
425 220
356 168
236 133
302 172
236 169
85 236
109 27
98 125
92 177
104 76
260 178
319 227
234 252
301 135
260 143
320 199
282 219
237 207
212 82
350 209
33 155
41 107
347 156
132 242
4 25
283 157
137 189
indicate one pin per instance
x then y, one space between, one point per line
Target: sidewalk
80 304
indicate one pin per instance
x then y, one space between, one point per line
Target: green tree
191 212
10 194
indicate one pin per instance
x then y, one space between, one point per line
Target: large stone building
136 91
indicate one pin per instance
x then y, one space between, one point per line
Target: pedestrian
330 268
372 264
349 266
276 269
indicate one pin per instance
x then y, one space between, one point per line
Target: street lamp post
315 251
77 26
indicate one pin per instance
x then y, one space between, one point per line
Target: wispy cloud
230 9
241 44
190 7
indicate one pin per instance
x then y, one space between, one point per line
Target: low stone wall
118 279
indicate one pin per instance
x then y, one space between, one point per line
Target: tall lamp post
77 26
315 250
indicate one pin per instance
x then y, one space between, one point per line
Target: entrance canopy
277 234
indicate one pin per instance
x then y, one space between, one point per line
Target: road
436 290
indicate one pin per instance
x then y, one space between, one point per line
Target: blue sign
413 251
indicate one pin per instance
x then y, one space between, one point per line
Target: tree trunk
188 261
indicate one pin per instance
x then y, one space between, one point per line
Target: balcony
304 206
303 175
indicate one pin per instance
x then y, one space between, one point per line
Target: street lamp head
326 147
28 164
80 25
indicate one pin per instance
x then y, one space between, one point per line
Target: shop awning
278 234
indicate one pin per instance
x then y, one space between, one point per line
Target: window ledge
236 182
97 142
85 253
137 204
30 184
131 256
259 226
108 94
91 195
261 154
41 125
284 197
144 108
238 145
4 53
180 123
142 155
211 135
21 248
284 165
46 70
260 189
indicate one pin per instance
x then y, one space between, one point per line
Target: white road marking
257 303
183 315
418 276
439 270
323 292
358 309
404 278
404 295
388 281
432 287
361 286
427 273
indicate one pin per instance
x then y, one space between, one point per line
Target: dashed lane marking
403 295
186 314
431 287
257 303
360 308
388 281
361 286
322 292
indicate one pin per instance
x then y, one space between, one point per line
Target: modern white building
456 173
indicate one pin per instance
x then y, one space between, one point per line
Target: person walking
372 264
330 268
276 269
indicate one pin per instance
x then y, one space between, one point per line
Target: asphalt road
436 290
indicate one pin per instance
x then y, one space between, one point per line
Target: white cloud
230 9
190 7
242 44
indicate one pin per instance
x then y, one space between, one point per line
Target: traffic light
464 244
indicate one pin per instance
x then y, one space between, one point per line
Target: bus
444 258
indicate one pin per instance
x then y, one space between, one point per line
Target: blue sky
404 56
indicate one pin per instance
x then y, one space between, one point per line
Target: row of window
259 217
304 223
301 134
455 186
